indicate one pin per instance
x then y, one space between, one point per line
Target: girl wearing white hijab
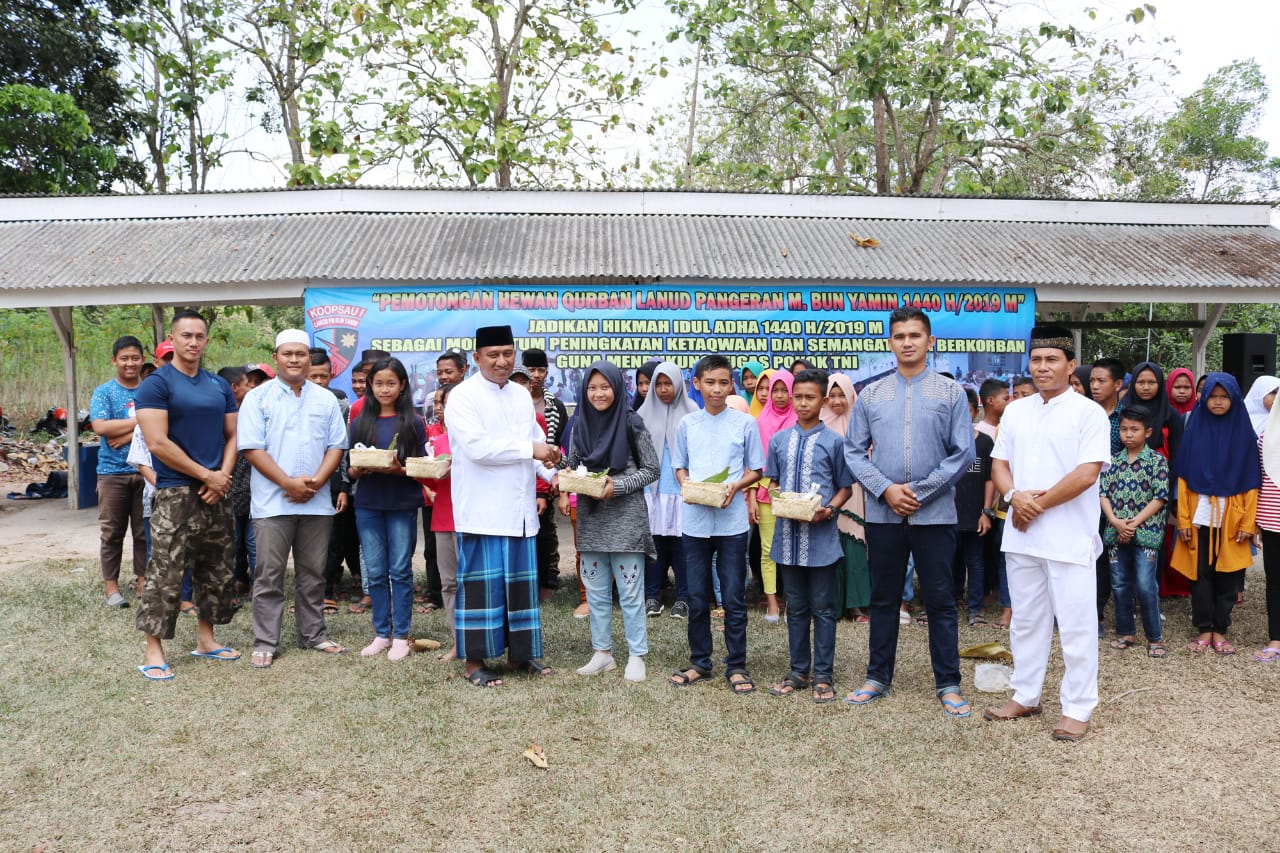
1259 400
663 408
1269 531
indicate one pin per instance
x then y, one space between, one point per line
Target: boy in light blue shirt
707 443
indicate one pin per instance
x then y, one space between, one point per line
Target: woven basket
704 494
794 505
371 458
427 467
571 481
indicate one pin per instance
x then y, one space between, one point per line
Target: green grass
31 375
320 753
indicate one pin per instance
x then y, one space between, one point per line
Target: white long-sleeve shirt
492 430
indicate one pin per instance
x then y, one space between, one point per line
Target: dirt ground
36 531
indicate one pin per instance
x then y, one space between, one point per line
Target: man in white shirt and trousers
498 450
1048 456
292 432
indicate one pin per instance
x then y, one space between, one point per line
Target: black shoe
680 610
653 607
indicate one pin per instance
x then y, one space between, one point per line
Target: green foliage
176 69
500 93
1210 136
903 96
1171 347
65 46
1206 149
46 144
31 376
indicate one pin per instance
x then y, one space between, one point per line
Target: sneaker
600 662
117 600
582 611
680 610
653 607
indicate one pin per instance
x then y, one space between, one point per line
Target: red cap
266 369
164 348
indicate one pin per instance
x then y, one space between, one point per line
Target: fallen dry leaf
988 651
864 242
424 645
537 756
784 251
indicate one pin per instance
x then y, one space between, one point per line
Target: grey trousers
447 561
308 537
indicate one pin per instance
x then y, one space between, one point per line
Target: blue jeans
932 547
811 595
599 572
1134 570
997 530
670 553
730 553
248 542
970 562
388 539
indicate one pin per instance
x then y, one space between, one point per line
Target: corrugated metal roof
405 248
485 190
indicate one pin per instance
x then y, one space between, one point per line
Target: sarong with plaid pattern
498 597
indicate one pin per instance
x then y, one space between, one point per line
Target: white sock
635 670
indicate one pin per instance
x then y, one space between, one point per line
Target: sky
1206 36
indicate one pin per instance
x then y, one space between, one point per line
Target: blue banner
980 331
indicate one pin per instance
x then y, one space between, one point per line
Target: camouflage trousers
187 533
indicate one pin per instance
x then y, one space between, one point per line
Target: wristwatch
1007 497
989 513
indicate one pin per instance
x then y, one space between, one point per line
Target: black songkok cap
534 358
1053 337
494 336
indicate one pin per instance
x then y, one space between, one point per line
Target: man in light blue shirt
291 431
910 439
708 442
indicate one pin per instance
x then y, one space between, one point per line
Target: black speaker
1246 357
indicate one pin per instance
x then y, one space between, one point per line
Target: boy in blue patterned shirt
1134 491
802 458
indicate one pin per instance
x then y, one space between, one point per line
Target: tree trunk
693 115
881 127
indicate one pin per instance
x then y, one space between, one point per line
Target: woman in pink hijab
853 584
775 416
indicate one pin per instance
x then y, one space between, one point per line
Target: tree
295 45
46 144
509 91
177 71
1205 150
900 95
64 46
1209 139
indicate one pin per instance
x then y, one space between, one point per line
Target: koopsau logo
336 328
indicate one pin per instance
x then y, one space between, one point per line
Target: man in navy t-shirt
188 418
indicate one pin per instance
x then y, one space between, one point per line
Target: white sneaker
635 670
600 662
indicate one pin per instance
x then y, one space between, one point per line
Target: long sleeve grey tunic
620 525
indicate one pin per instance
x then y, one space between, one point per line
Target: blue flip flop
871 696
216 654
949 708
156 667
